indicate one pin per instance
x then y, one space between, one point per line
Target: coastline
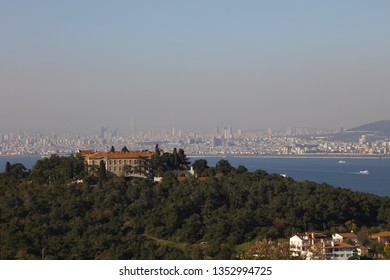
336 156
248 156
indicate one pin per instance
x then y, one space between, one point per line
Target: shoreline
338 156
341 156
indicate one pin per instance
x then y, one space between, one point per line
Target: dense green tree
199 166
135 219
157 150
183 160
241 169
8 168
58 170
102 172
125 150
224 167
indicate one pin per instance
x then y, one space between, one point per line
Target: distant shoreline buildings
224 142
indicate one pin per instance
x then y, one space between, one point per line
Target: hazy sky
76 65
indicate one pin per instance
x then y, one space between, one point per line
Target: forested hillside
46 214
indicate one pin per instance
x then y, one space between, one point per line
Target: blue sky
76 65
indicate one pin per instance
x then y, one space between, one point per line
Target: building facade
129 164
346 237
336 250
316 246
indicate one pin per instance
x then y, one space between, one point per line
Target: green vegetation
49 213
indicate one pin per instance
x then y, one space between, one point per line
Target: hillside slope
380 127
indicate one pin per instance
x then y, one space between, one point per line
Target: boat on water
364 172
342 161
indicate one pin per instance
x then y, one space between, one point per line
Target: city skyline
74 66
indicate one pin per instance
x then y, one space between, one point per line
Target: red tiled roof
86 152
317 235
382 234
348 235
183 178
120 155
333 245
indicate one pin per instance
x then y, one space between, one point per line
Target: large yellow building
119 163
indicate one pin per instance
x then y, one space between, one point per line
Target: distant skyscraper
115 133
225 132
217 142
133 126
103 131
362 140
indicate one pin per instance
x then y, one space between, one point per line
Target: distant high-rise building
225 133
133 126
217 142
103 131
115 133
362 140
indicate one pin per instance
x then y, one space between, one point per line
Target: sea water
339 172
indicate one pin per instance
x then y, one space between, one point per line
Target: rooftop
120 155
382 234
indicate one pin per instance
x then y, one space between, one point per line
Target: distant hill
380 127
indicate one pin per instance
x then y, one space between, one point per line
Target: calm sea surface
340 172
321 170
27 161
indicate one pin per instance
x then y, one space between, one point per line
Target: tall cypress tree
8 168
102 173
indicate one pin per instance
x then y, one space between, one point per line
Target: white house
302 242
314 245
299 245
336 250
345 237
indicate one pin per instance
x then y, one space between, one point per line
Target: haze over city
72 66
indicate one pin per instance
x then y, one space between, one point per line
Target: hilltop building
132 164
